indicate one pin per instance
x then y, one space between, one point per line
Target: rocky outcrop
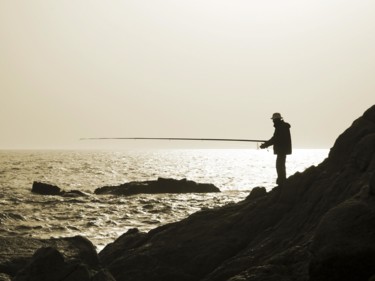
318 226
65 259
161 185
257 192
49 189
45 189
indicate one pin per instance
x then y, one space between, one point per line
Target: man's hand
263 146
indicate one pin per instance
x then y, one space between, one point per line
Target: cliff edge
319 226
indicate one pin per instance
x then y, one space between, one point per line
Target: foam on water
104 218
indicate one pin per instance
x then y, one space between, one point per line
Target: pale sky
182 68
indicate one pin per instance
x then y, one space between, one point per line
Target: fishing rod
178 139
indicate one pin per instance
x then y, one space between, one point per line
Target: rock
103 275
50 259
161 185
15 253
256 192
130 239
308 229
46 264
49 264
344 244
344 145
49 189
45 189
363 153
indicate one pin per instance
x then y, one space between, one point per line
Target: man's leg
280 168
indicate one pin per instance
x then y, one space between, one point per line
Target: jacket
281 139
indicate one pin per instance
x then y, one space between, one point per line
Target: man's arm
267 143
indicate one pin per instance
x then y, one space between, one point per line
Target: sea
103 218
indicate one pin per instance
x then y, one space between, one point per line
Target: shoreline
311 228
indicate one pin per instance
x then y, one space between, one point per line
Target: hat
276 116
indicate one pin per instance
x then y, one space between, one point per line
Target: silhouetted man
282 145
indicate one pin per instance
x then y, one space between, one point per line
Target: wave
11 217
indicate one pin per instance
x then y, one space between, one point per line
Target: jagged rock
343 148
130 239
161 185
49 264
50 259
46 264
287 234
363 152
45 188
257 192
49 189
344 244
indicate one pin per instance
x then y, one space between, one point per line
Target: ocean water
102 218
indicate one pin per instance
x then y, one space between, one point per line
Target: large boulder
49 264
45 188
161 185
67 259
257 192
294 232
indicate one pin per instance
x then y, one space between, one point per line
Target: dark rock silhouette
318 226
49 189
256 192
161 185
344 243
45 188
65 259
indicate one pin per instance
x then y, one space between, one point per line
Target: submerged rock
161 185
74 193
319 226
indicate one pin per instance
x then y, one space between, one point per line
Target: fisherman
282 145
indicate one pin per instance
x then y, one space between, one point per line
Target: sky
182 68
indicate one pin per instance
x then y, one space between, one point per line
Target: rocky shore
318 226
